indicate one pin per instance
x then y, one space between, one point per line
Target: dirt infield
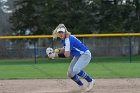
68 86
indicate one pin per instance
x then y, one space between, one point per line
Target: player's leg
81 63
71 74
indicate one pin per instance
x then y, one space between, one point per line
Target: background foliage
79 16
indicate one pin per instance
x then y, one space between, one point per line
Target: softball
56 50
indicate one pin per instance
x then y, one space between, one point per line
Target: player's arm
67 48
63 54
59 52
67 53
62 50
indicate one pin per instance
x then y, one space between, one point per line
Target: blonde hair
55 31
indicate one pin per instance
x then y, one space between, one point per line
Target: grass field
47 68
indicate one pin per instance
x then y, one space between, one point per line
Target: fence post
35 48
130 49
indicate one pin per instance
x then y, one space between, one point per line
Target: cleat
82 88
90 85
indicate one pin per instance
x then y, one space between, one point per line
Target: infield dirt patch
68 86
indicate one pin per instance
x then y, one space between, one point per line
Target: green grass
46 68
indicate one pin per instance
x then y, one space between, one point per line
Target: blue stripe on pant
77 80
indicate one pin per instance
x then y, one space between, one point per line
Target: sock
77 80
85 76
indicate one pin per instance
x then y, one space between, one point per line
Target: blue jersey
74 45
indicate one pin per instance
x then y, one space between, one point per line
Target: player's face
61 35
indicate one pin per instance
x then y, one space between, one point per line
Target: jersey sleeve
67 44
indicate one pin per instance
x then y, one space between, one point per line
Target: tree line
39 17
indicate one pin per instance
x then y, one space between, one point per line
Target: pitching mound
68 86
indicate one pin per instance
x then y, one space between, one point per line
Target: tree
27 17
117 16
79 16
41 17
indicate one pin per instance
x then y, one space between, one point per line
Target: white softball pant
79 63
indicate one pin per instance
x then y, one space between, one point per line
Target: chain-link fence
99 46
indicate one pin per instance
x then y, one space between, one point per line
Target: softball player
73 47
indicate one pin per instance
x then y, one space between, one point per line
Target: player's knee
76 70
